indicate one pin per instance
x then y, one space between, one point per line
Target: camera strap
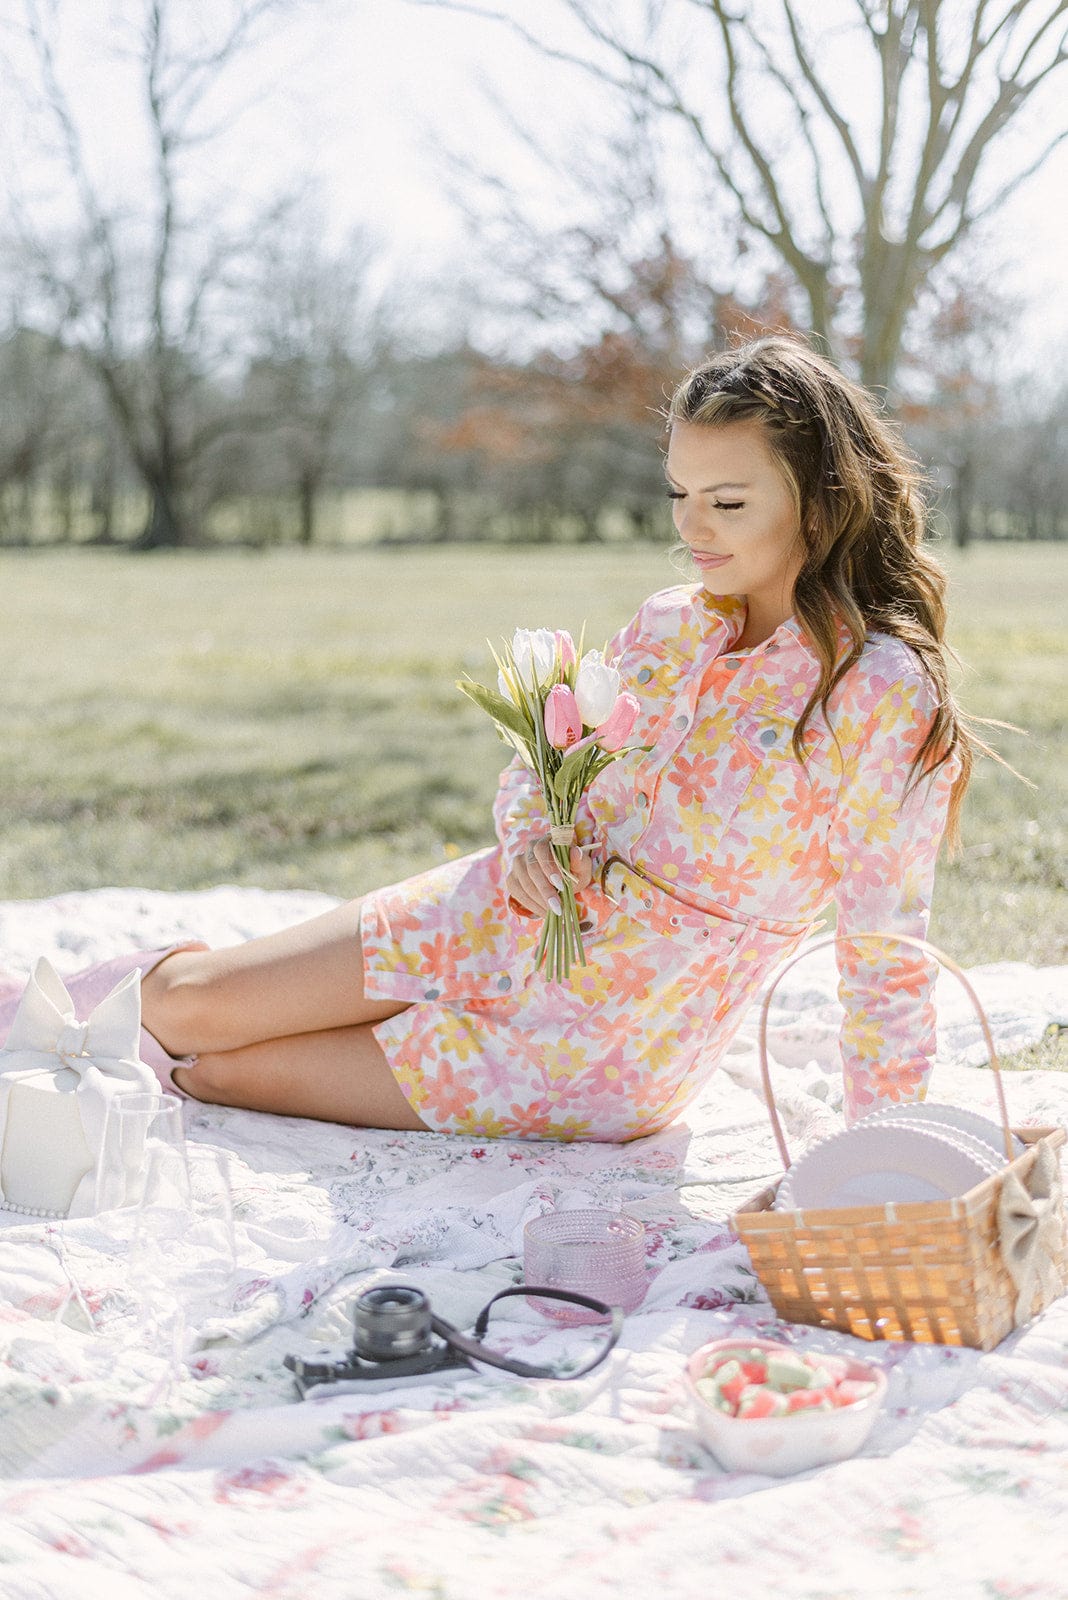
471 1346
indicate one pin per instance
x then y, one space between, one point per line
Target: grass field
290 719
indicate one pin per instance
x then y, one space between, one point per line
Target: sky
361 96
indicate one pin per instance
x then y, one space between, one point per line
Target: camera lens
391 1322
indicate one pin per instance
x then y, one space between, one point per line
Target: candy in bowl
761 1406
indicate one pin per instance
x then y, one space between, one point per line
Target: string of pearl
29 1211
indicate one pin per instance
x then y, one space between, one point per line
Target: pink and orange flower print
715 852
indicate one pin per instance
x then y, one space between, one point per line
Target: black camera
397 1338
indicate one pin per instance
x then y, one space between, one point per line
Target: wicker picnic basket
965 1270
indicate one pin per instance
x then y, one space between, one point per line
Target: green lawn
290 719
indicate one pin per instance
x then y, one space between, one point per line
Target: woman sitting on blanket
804 749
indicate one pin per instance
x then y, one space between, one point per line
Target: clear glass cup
171 1220
144 1140
599 1253
183 1233
182 1258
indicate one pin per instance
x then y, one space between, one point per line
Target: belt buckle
610 861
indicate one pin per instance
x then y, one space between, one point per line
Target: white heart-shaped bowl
779 1446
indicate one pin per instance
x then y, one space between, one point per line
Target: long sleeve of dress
883 844
518 810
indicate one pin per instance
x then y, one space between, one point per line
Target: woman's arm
530 870
884 845
519 812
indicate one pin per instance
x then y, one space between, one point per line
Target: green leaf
500 709
570 769
571 766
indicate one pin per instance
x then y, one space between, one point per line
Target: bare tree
614 263
1022 471
578 324
30 381
315 331
859 216
143 290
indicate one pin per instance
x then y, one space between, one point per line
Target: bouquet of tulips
568 720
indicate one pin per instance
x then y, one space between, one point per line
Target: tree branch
1011 96
96 219
968 220
549 51
804 117
1037 37
783 237
834 116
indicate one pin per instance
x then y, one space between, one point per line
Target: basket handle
855 938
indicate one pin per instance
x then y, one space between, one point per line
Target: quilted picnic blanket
118 1477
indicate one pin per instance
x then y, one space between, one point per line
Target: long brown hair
862 515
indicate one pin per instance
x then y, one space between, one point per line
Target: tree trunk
167 528
306 495
102 500
962 508
589 528
444 515
642 522
63 493
24 518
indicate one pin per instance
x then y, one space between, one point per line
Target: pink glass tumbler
599 1253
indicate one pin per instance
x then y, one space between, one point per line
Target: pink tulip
563 720
566 646
615 730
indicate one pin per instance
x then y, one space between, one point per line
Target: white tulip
596 689
534 653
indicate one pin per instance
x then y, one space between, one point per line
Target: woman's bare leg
280 1024
306 979
339 1075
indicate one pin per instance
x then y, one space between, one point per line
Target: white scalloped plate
954 1120
992 1160
876 1163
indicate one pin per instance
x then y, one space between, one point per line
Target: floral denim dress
714 854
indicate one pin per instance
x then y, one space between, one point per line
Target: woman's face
733 508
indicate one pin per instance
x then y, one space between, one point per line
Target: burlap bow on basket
1030 1220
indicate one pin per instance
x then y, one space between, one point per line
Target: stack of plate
901 1154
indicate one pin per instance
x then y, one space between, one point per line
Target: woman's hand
535 881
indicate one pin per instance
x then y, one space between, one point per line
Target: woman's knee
180 1000
210 1079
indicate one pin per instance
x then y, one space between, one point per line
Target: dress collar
727 613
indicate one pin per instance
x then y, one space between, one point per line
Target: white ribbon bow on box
103 1051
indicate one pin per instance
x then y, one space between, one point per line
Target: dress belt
723 913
